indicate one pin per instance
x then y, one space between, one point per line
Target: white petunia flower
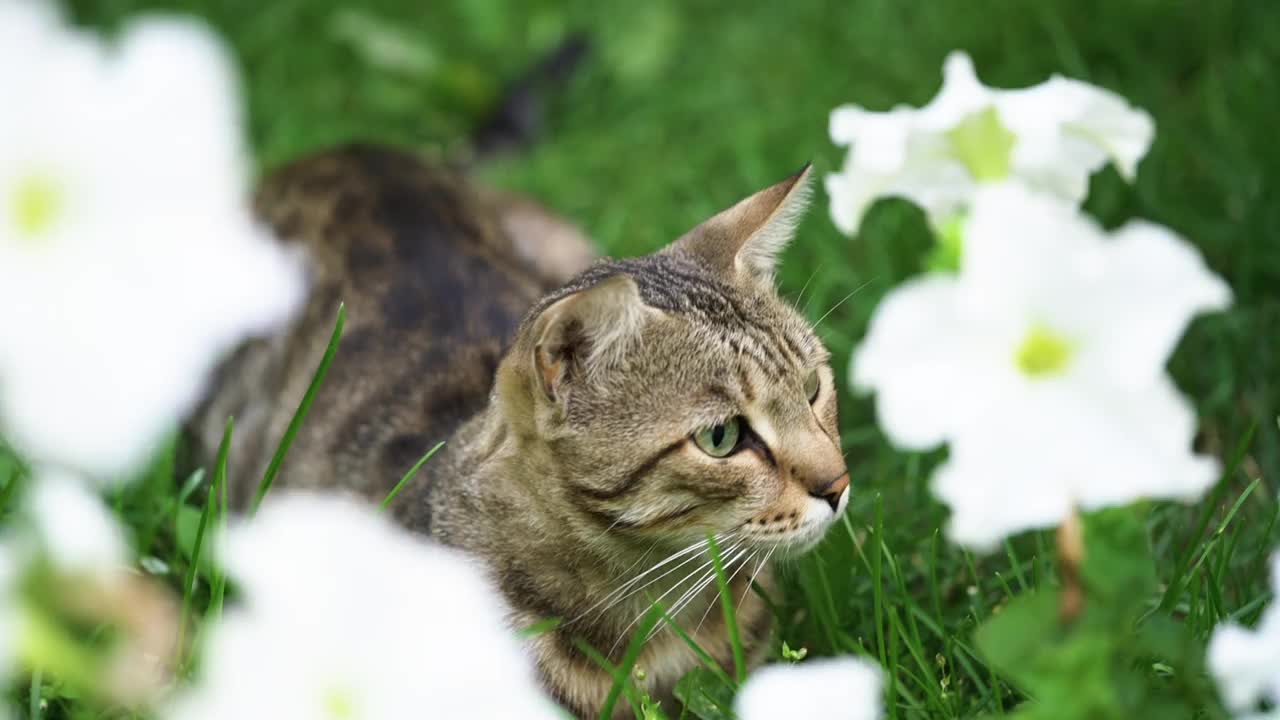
10 614
827 689
75 532
129 261
347 617
1051 136
66 546
1042 364
1246 663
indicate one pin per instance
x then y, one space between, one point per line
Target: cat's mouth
795 531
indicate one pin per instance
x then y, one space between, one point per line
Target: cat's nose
832 491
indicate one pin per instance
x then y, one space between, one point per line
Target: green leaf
1065 669
1103 664
704 695
1118 570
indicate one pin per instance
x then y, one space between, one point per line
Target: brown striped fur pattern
570 470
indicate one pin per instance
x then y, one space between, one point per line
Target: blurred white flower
10 616
64 565
827 689
129 260
346 616
1042 363
1051 136
1246 663
75 532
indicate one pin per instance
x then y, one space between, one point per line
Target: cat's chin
806 539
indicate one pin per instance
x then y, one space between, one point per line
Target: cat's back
433 288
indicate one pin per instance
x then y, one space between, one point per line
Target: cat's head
676 394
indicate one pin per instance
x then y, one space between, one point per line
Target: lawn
681 108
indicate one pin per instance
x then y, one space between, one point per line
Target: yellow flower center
339 704
1043 353
36 204
983 144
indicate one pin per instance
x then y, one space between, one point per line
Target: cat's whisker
710 564
750 582
689 596
613 597
615 601
711 605
624 587
639 560
841 302
800 297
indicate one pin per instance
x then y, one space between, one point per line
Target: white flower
129 261
10 615
346 616
1042 363
828 689
1246 663
75 531
1051 136
64 528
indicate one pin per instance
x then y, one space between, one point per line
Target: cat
602 418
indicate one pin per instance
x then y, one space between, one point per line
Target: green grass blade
189 582
35 703
614 671
1177 580
730 615
622 675
219 577
412 471
877 578
1016 565
708 662
300 414
541 627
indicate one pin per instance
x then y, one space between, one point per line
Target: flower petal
919 358
961 95
1154 283
1045 447
356 620
831 688
77 532
1246 663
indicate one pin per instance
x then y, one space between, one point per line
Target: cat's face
677 395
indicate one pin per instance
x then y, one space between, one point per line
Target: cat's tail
519 117
551 245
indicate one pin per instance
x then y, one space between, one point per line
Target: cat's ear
745 240
586 333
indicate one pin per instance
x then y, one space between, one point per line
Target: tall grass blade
412 471
301 413
622 675
708 662
614 671
730 615
211 501
1177 580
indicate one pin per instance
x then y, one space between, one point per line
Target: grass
682 108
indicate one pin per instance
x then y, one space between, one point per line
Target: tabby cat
598 430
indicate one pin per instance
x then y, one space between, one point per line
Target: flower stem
1070 542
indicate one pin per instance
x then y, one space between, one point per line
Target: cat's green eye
812 384
720 440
